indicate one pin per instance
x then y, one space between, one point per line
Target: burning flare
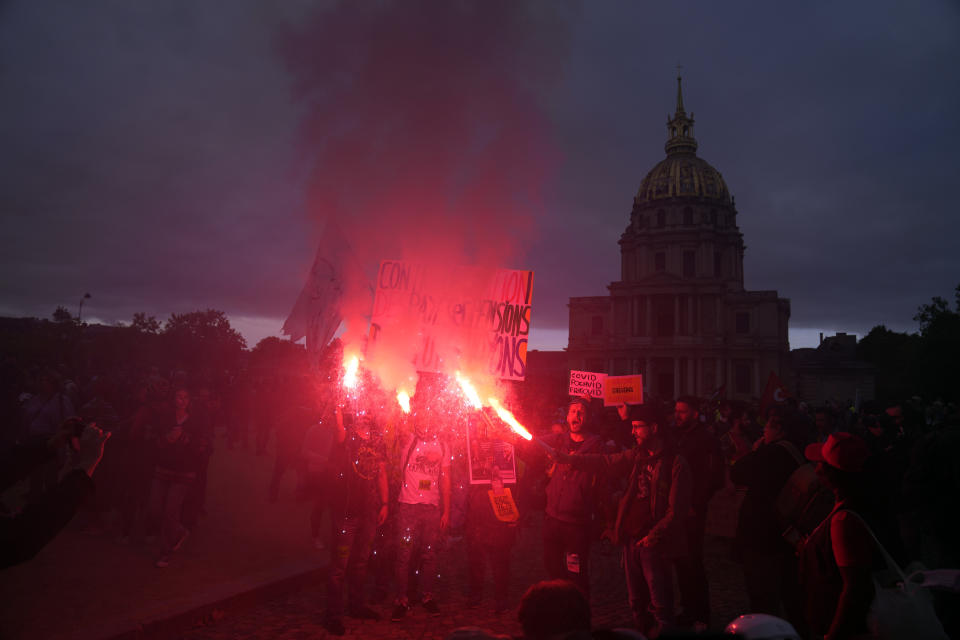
404 399
470 392
507 417
350 367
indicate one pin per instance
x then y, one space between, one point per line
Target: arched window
686 131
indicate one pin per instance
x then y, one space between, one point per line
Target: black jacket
22 536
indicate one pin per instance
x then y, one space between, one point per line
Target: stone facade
679 313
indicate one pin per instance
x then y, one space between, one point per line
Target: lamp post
80 310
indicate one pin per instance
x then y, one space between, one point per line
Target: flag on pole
316 313
774 393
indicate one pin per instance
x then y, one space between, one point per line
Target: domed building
679 314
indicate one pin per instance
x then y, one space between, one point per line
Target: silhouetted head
553 607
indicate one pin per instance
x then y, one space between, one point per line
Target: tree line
925 363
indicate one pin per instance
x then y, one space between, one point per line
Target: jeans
560 541
166 509
417 525
352 539
649 586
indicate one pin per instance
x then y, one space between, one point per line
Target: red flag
775 393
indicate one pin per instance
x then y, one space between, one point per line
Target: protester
552 609
137 451
840 555
319 481
294 416
738 439
490 534
769 562
25 534
701 450
178 456
45 410
650 516
572 503
202 427
423 510
359 506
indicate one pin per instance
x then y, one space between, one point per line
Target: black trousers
566 551
498 557
691 574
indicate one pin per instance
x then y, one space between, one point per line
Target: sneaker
399 612
431 607
334 626
363 613
183 538
162 562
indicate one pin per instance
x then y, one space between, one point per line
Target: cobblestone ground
298 615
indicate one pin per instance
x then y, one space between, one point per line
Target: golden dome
683 175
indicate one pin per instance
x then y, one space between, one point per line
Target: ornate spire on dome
679 94
680 127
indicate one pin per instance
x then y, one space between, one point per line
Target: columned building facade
679 314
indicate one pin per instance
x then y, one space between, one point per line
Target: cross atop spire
679 90
680 127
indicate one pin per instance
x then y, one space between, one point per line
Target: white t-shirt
421 476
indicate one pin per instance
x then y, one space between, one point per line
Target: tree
62 315
927 314
894 354
923 363
273 353
204 340
145 324
940 348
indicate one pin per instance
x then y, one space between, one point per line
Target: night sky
173 156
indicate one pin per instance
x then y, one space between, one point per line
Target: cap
842 450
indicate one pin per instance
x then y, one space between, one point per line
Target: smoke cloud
427 141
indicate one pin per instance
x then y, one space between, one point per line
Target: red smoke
425 134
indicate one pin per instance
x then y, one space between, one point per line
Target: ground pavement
85 586
250 571
298 615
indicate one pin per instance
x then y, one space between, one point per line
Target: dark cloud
149 151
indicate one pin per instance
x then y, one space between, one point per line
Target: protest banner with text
623 390
457 317
587 383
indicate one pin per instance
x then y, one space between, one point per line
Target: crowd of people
392 486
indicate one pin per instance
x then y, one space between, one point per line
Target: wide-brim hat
842 450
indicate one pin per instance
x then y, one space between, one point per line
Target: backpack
803 502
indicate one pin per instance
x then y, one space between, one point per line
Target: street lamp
85 297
